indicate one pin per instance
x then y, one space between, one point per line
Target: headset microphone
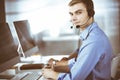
71 27
78 26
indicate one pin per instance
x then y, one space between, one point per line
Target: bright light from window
43 15
49 17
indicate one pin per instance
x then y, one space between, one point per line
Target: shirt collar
84 34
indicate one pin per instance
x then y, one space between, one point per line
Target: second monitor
25 36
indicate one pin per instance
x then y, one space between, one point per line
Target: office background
50 19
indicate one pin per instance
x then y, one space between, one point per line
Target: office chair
114 67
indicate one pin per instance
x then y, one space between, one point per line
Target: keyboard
28 76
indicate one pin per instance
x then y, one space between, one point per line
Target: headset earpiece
91 13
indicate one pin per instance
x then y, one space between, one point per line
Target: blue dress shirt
94 57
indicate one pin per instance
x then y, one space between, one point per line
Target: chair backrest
114 66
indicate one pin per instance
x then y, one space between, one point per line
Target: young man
93 61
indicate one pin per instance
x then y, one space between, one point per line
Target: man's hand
49 74
50 62
64 59
61 66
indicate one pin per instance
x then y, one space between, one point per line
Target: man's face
79 14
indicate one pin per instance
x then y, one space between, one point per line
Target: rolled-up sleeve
71 62
62 75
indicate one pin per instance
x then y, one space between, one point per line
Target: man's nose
74 18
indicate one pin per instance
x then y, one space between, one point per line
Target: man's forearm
73 55
61 68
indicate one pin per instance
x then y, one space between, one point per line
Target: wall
107 16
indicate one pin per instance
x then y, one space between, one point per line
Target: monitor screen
8 48
25 37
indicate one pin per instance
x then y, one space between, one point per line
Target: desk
34 66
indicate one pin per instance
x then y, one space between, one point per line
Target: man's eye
78 12
71 14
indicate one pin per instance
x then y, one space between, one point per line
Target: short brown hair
88 3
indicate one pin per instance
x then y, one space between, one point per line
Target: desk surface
36 59
40 58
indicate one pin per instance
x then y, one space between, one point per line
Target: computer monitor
26 39
8 48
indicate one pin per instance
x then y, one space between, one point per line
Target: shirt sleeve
86 61
71 62
61 76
